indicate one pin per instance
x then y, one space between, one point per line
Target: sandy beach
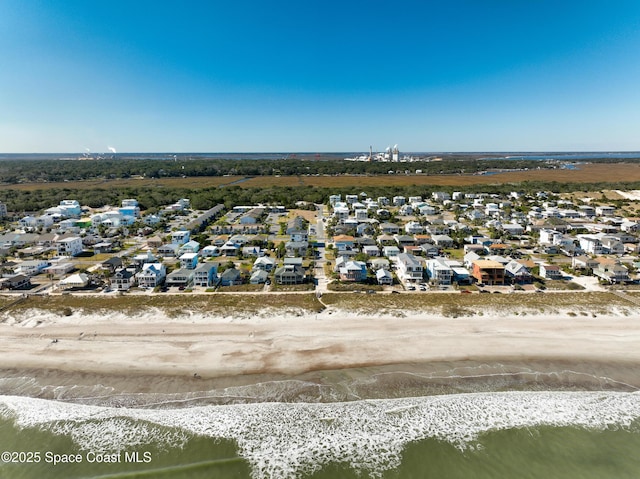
207 347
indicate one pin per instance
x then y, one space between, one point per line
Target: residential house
389 228
58 268
611 245
31 267
605 210
180 237
590 244
353 271
404 240
413 227
584 263
229 249
210 251
384 277
296 224
169 250
488 272
612 272
17 281
112 264
390 251
190 246
296 248
151 275
264 263
252 216
517 273
429 250
442 241
299 235
123 279
230 277
550 271
189 260
79 280
206 275
371 250
259 276
154 242
410 269
289 274
180 277
69 246
379 263
439 271
252 251
343 242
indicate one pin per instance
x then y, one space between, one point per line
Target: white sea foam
281 440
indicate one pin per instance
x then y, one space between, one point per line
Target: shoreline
157 353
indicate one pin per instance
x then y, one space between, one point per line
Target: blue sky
213 76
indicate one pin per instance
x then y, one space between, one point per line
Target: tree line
21 171
153 198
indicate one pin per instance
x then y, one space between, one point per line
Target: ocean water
294 428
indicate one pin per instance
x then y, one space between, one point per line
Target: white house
32 267
439 271
413 228
384 277
152 275
410 269
69 246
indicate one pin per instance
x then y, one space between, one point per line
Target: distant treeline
20 171
153 198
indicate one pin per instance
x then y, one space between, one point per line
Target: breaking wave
287 440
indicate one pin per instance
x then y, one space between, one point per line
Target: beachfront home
488 271
439 271
169 250
384 277
206 275
550 271
123 279
230 277
289 274
410 269
151 275
259 276
612 271
517 273
180 277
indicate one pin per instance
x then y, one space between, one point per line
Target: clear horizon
463 76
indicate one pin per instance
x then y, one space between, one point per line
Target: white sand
215 347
